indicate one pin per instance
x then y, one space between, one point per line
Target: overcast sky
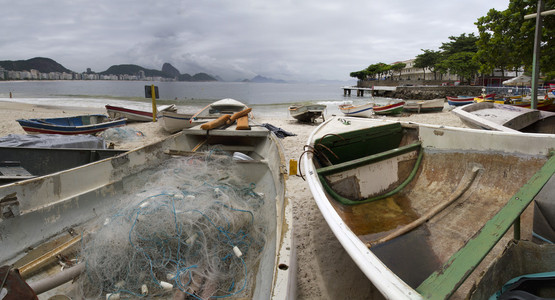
234 39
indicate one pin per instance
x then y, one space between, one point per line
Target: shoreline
324 269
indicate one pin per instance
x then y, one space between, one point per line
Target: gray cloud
292 40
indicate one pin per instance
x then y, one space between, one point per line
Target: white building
410 72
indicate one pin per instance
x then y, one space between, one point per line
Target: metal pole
536 57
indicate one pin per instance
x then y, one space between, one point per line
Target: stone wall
426 92
421 90
370 83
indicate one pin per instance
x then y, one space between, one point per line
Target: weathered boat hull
425 106
307 113
389 109
33 162
502 117
519 258
86 124
135 115
462 100
37 210
376 183
364 110
219 108
173 122
459 101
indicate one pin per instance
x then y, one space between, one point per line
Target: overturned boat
420 208
508 118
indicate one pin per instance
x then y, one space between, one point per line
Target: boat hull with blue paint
364 110
84 124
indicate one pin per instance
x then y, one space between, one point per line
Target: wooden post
154 112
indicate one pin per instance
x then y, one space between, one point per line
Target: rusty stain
438 132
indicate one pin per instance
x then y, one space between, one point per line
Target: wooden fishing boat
508 118
153 213
174 121
459 100
363 110
20 163
418 207
523 271
135 115
464 100
85 124
424 106
389 109
543 104
307 113
219 108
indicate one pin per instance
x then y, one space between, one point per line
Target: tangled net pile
199 234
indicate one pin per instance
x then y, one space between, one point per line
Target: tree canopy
506 39
429 59
505 42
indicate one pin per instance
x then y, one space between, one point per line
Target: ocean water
265 98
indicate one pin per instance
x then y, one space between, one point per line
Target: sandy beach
324 270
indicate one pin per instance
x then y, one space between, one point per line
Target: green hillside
41 64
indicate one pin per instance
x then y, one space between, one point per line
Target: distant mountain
170 70
132 70
47 65
262 79
203 77
41 64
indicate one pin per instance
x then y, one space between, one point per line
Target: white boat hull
364 110
307 113
49 205
173 122
135 115
436 139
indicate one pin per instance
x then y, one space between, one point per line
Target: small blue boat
85 124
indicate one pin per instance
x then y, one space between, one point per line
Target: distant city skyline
278 39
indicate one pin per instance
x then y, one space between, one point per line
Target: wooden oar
215 123
195 115
409 227
47 258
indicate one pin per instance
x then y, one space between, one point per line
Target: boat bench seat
351 164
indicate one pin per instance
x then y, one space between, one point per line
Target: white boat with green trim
421 208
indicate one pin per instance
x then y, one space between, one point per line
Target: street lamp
536 56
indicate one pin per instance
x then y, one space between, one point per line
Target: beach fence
513 91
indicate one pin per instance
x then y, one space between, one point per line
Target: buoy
166 286
237 251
